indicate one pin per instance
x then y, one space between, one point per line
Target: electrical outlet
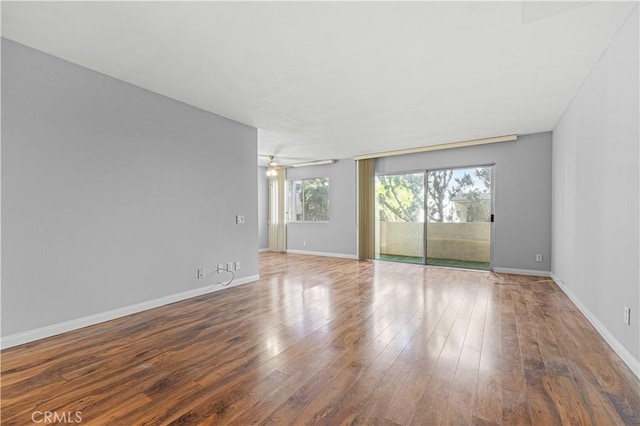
627 315
237 265
200 273
220 268
538 258
304 243
230 266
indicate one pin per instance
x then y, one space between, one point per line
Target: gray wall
113 195
522 193
339 235
263 209
595 192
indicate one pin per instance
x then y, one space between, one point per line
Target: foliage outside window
452 196
308 200
400 197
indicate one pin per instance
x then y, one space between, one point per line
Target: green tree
437 187
400 197
475 198
441 191
316 199
484 175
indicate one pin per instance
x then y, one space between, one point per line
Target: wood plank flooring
334 341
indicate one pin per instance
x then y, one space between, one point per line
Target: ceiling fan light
271 172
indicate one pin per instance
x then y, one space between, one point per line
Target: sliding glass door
399 224
456 206
459 214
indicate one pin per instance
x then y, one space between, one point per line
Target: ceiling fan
273 166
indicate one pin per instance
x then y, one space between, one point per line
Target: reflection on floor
436 262
319 340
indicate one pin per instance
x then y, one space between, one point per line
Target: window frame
290 214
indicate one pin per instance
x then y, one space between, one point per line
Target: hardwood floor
334 341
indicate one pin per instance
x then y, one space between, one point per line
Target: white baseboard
615 344
262 250
321 253
63 327
532 272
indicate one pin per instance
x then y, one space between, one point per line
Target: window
308 200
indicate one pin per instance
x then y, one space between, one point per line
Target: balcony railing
460 241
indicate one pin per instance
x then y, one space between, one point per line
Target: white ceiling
331 79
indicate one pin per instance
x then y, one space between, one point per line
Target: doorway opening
440 217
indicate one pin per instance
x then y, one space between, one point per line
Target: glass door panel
400 217
459 207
